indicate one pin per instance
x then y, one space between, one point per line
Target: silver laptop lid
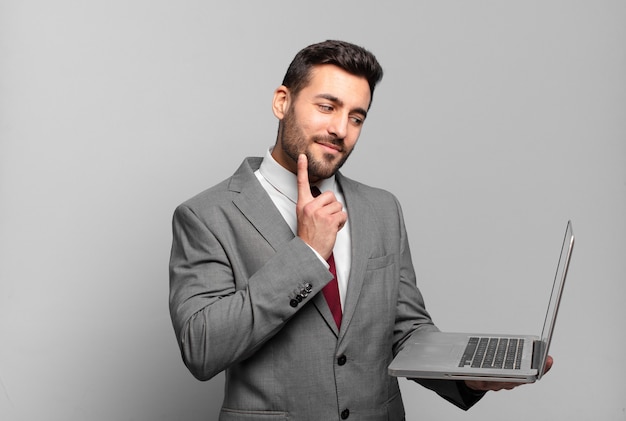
555 298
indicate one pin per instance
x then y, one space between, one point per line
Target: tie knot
315 191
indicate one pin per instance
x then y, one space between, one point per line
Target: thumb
304 189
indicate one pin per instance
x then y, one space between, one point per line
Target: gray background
496 122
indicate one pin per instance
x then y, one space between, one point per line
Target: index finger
304 189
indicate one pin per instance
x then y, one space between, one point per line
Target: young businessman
303 298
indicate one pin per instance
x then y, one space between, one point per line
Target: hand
319 218
495 386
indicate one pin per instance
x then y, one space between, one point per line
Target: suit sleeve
218 322
412 316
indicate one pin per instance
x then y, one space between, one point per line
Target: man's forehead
328 80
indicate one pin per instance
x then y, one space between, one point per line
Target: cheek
305 127
316 124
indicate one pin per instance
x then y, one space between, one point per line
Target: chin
324 168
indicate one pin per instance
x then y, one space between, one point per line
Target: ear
280 103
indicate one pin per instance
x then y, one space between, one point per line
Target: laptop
471 356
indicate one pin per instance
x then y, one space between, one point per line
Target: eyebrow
339 102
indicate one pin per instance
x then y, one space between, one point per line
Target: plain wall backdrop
495 123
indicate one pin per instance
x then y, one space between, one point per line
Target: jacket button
345 414
293 303
341 360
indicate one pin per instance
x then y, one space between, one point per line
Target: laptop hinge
537 353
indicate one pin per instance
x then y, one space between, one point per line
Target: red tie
331 290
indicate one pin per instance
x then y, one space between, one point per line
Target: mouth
329 146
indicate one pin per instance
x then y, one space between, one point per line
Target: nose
339 125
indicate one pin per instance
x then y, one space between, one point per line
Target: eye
356 120
325 108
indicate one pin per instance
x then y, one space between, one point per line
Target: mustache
333 140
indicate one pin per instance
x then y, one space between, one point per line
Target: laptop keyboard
493 353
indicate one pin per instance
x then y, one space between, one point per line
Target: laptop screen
555 296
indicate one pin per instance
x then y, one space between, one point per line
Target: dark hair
351 58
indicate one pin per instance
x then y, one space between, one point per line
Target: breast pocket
381 262
380 290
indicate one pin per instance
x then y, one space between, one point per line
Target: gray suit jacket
236 269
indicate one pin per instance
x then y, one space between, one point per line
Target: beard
294 143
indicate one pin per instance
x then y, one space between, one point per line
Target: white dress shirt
281 185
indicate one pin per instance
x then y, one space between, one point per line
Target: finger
343 218
493 386
549 362
342 223
304 189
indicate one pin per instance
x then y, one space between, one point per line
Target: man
302 298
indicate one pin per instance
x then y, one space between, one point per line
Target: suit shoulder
225 191
210 197
367 192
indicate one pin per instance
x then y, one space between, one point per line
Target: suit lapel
255 204
360 221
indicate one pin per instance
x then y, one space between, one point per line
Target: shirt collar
285 181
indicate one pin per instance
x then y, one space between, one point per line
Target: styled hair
349 57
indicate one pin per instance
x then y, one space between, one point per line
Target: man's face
323 121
